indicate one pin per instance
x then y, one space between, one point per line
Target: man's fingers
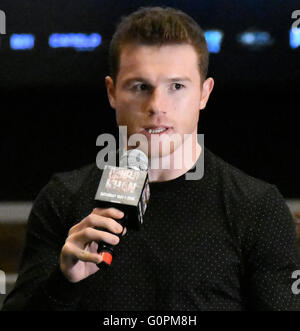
96 221
70 249
88 235
108 212
124 231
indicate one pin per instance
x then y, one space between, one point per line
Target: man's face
159 88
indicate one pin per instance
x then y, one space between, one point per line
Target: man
223 242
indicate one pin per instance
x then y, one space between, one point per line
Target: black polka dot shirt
224 242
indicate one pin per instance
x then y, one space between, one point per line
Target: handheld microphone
125 188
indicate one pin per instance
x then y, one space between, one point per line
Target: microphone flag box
124 189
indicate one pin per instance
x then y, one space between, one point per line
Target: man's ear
110 88
207 87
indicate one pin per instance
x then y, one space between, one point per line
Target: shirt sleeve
40 284
271 255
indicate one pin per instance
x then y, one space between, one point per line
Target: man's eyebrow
181 79
144 80
134 79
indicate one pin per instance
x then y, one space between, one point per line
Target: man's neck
173 165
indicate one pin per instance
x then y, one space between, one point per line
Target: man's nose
157 102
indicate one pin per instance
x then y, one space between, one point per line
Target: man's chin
155 147
160 152
155 152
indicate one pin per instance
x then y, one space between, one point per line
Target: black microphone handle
106 250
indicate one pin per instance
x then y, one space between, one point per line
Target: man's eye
141 87
177 86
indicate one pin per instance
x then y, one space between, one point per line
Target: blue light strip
21 41
214 40
79 41
255 38
88 42
295 38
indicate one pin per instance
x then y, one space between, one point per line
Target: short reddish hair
158 26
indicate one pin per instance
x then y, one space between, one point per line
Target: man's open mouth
158 130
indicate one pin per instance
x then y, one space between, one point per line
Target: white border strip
14 212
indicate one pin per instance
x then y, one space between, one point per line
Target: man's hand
79 257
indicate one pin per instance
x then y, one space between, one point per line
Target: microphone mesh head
134 159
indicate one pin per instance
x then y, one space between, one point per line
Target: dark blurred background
53 101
